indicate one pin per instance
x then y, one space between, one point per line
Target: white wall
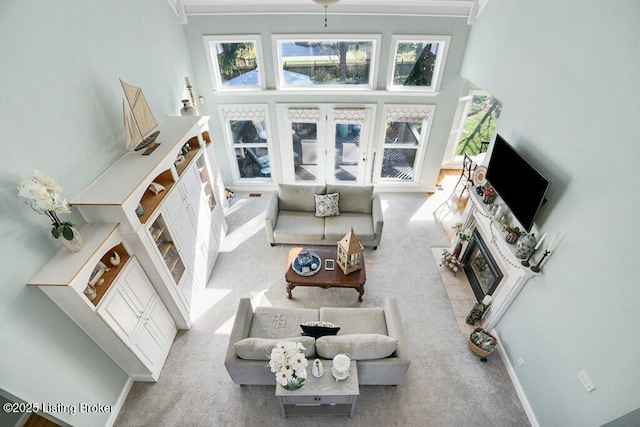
567 73
312 24
60 112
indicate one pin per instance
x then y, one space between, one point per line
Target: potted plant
488 195
46 199
464 235
288 363
512 234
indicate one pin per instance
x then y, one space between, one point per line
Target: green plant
464 234
514 230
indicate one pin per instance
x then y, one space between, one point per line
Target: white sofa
290 216
265 326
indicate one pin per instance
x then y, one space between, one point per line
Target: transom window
235 62
417 62
320 62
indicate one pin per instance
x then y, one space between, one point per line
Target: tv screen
520 185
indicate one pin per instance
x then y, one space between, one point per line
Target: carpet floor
446 385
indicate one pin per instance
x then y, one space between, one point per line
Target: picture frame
329 264
97 273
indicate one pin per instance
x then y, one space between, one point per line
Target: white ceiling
458 8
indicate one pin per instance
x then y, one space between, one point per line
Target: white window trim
254 112
390 113
214 67
438 70
375 39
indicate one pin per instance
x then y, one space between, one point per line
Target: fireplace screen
480 267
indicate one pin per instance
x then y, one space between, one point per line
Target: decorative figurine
317 370
115 259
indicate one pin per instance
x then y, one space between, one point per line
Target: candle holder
526 261
536 268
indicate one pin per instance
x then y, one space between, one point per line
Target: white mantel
515 275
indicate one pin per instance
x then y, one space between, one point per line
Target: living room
550 63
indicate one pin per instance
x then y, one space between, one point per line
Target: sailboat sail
140 122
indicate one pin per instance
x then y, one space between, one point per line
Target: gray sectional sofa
290 216
363 333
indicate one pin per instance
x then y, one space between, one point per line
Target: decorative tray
307 270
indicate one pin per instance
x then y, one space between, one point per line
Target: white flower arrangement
46 199
289 364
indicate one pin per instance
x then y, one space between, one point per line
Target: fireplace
480 267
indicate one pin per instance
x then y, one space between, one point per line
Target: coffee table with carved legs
324 278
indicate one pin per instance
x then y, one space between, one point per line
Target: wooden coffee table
325 278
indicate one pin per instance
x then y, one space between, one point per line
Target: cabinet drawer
317 400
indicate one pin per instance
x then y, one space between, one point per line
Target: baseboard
118 406
516 382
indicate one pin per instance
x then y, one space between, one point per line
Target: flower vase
294 384
457 250
75 244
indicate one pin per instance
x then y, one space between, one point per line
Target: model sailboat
139 123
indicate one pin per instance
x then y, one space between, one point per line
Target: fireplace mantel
515 274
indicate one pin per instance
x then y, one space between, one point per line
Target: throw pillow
260 348
327 204
319 329
359 346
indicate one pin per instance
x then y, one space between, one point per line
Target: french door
323 143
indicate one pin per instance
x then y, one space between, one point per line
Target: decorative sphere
314 266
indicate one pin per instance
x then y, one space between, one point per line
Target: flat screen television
520 185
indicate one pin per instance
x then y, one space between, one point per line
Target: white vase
74 245
187 108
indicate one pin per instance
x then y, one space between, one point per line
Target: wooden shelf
110 276
206 137
165 248
195 146
150 201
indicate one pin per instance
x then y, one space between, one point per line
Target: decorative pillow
319 328
327 204
359 346
260 348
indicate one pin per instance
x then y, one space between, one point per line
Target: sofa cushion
297 226
353 198
358 346
260 348
369 320
271 322
327 205
298 197
319 329
335 227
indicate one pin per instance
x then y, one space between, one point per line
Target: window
417 62
321 62
405 134
235 62
246 132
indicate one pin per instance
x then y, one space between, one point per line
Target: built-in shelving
150 201
194 146
112 272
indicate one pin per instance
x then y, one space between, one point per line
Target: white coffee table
321 396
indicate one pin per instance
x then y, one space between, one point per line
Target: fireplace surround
513 275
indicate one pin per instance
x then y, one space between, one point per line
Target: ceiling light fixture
326 4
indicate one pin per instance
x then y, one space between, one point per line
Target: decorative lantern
350 253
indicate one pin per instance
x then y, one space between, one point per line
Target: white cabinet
171 235
134 311
126 317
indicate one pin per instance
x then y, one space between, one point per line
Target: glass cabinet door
207 183
166 246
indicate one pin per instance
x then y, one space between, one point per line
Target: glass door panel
401 143
347 156
305 151
167 248
207 183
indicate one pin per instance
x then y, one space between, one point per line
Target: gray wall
60 113
567 73
267 25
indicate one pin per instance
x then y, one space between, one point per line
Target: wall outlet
520 361
586 381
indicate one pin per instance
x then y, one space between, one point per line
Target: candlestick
536 268
186 80
540 241
526 261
